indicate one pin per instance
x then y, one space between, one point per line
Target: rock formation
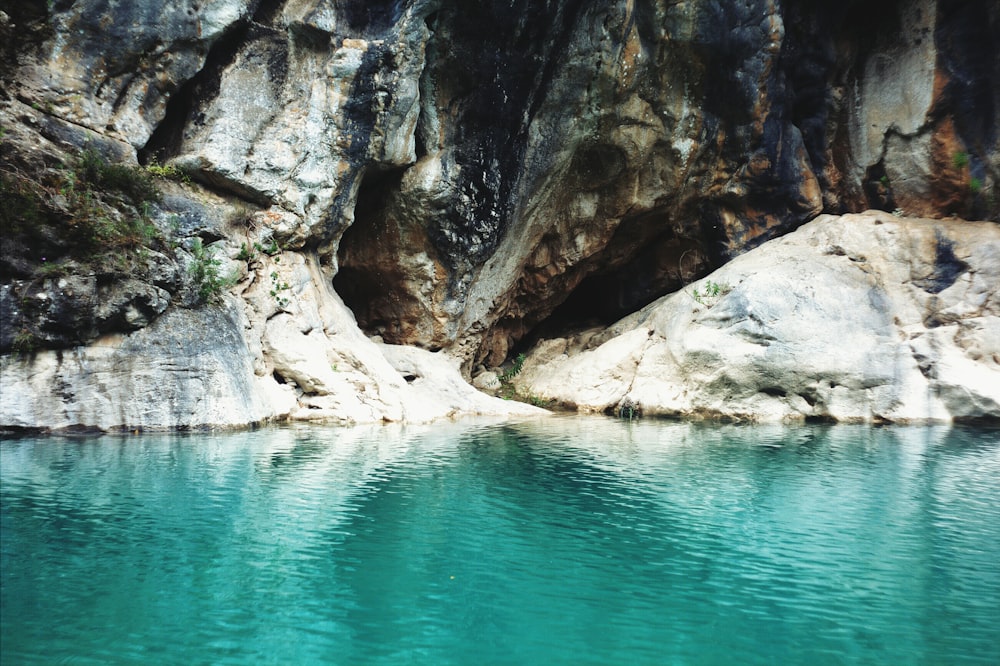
369 200
855 318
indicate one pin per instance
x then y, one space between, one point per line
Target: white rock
838 320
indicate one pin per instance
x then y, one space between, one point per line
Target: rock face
451 176
215 366
172 374
859 318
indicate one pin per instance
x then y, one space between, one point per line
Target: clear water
567 541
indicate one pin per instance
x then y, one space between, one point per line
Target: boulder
867 317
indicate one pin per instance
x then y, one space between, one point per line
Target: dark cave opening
368 279
623 285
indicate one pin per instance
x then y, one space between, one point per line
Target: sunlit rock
860 318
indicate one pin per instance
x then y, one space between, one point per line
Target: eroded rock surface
457 177
856 318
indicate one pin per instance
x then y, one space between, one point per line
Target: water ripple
567 540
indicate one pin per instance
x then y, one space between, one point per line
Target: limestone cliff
336 208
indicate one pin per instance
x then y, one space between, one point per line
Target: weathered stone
111 67
471 176
860 318
188 369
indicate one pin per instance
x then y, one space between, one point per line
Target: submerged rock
864 317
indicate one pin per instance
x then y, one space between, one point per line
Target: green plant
271 249
713 292
975 185
246 253
277 287
49 269
168 172
884 180
507 376
205 275
960 159
535 400
508 391
25 342
134 182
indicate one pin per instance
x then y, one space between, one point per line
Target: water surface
566 540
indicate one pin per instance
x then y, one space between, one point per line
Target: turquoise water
566 541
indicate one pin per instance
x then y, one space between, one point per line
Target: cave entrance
616 289
369 278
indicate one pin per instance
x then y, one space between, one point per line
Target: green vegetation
135 182
24 342
271 249
249 253
205 275
168 172
91 211
960 159
713 292
507 376
509 392
277 287
975 185
246 253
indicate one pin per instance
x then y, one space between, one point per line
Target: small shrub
132 181
507 376
49 269
271 249
537 401
204 273
506 379
277 287
168 172
25 342
975 185
24 203
960 159
247 253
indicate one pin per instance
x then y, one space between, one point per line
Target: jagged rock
658 141
111 67
859 318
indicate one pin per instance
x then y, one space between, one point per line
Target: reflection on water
565 540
